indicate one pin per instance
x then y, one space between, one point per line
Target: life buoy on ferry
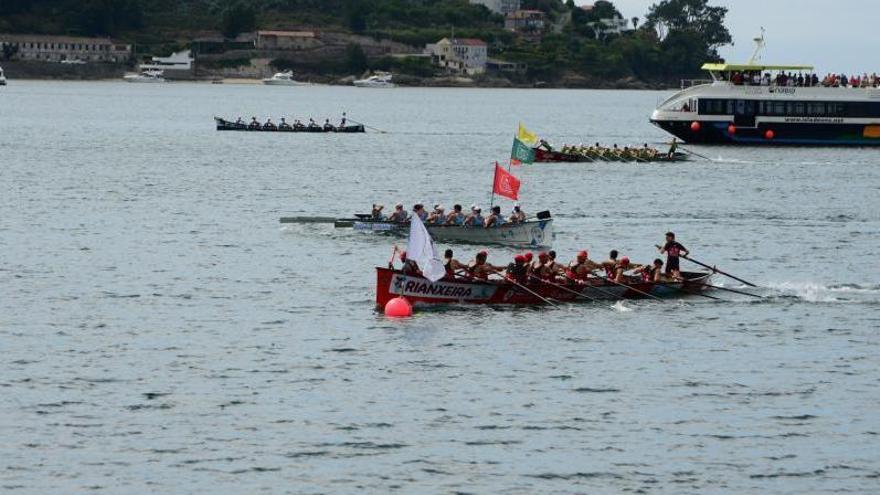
769 134
731 129
695 126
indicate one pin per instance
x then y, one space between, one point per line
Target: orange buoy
398 307
769 134
695 126
731 129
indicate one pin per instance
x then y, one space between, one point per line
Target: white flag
420 248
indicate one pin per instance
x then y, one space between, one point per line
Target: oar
380 131
637 291
593 287
716 270
566 289
308 220
695 154
521 286
729 290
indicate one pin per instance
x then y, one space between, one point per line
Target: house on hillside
287 40
64 48
615 25
502 7
466 56
527 23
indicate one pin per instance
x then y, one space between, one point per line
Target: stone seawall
28 69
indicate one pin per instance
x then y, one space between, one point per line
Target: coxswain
455 217
494 219
581 267
376 214
451 265
518 271
545 145
517 215
610 264
342 121
671 154
475 219
479 268
673 250
409 266
399 215
437 216
419 211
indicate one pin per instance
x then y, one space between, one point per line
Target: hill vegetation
676 38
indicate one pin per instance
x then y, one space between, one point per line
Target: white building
502 7
462 55
64 48
178 61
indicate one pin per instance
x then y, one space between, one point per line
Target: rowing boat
227 125
421 292
543 155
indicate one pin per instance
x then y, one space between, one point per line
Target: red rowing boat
422 292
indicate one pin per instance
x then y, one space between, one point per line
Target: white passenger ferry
755 103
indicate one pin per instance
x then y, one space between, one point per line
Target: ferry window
816 109
835 109
779 108
729 107
799 108
789 109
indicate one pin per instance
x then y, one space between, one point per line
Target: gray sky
832 35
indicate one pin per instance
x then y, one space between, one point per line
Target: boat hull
783 133
225 125
544 156
421 292
530 234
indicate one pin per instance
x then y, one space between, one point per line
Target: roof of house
39 38
468 42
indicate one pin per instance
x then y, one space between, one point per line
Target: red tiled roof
468 41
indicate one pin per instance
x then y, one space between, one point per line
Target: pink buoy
731 129
769 134
398 307
695 126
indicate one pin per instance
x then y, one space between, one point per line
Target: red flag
505 183
515 162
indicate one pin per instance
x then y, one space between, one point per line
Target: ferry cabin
742 105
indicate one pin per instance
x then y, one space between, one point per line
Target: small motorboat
377 80
147 76
2 77
421 292
283 79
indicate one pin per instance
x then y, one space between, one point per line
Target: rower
312 122
284 124
419 211
376 214
653 272
268 124
327 125
673 250
622 267
582 266
297 124
239 121
539 266
437 216
610 264
528 257
553 268
494 219
455 217
475 219
479 268
254 124
399 215
451 265
518 271
671 154
517 216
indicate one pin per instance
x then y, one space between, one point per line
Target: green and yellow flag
521 153
526 136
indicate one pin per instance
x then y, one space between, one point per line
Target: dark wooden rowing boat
421 292
227 125
545 156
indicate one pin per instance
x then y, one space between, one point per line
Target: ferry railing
689 83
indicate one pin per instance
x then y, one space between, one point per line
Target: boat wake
621 307
818 293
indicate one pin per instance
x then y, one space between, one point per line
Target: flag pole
492 198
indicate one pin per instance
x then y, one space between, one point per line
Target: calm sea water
161 332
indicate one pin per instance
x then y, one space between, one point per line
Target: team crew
439 216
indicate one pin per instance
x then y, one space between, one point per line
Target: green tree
693 16
238 18
355 58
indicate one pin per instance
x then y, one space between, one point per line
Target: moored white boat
377 80
2 77
283 79
147 76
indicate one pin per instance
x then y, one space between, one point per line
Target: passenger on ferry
475 219
437 216
479 268
455 217
399 214
517 216
451 265
376 213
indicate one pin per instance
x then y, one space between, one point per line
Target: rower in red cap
581 267
623 267
518 271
